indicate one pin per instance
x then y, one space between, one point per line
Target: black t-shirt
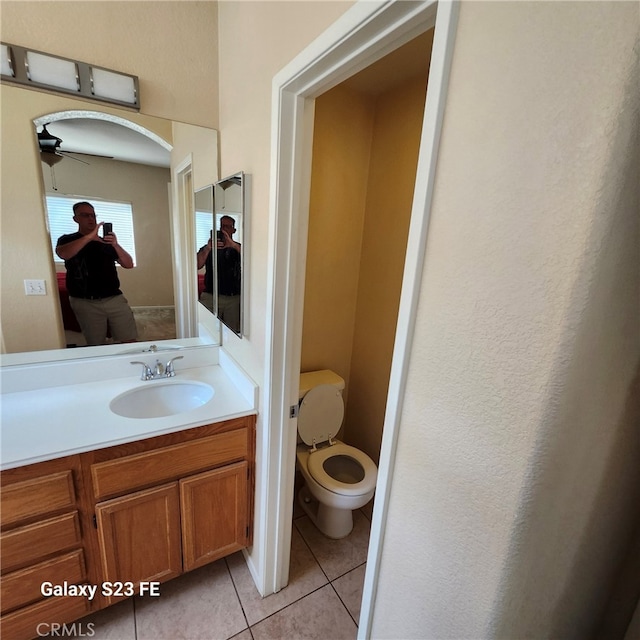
91 273
229 272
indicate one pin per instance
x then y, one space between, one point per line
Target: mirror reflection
228 201
220 213
129 198
204 234
29 290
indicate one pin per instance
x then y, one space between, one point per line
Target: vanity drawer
25 545
40 619
122 475
39 496
21 588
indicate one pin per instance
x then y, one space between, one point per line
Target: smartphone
107 228
220 236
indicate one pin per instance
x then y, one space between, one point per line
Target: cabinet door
214 514
140 535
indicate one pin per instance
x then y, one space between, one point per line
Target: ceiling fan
51 153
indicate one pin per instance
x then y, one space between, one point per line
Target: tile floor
220 601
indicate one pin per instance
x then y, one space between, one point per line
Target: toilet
338 478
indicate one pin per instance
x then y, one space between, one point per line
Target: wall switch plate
35 287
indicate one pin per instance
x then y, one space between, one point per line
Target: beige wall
365 152
171 46
394 156
343 129
273 34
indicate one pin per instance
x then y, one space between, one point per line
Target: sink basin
159 400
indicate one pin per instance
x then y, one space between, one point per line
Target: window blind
204 225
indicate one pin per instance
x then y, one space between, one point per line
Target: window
120 214
204 226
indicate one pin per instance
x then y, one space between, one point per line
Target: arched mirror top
106 117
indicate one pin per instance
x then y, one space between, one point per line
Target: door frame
365 33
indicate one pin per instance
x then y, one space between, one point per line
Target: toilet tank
312 379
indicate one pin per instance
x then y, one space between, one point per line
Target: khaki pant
96 317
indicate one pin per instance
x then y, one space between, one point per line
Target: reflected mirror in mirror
205 226
124 175
229 204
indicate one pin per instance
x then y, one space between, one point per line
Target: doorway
363 35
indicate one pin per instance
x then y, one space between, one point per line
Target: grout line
289 605
312 553
343 604
244 615
348 571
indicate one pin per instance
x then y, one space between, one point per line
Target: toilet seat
320 414
315 466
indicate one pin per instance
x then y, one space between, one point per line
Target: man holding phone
92 279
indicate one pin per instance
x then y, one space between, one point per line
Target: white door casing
364 34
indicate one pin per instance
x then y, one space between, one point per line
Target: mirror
204 225
124 176
227 240
25 245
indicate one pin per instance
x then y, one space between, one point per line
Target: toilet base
333 523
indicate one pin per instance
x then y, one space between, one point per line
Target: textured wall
171 46
516 478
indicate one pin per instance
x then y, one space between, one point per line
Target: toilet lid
320 414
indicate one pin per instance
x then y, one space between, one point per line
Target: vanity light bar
40 70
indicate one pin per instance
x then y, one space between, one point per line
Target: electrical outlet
35 287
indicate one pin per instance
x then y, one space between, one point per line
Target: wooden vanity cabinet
41 540
168 505
149 510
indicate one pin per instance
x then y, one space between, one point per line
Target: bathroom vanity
135 502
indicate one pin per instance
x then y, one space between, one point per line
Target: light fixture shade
48 72
7 64
56 72
113 86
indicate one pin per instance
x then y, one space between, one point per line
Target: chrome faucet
169 371
159 370
147 374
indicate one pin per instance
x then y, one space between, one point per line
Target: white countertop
56 421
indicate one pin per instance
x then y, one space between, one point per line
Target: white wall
516 479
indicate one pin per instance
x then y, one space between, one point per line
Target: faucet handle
168 370
147 374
